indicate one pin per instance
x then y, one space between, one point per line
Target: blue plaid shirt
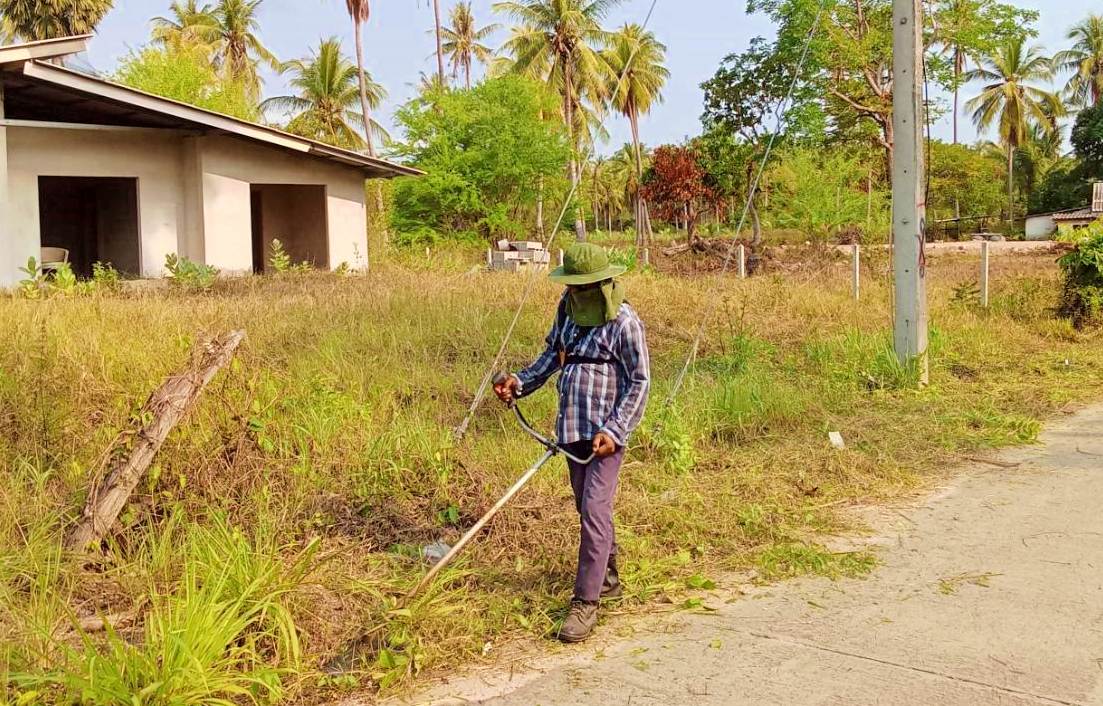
595 397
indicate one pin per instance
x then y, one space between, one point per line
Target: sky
399 46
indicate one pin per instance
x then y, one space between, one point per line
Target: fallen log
168 404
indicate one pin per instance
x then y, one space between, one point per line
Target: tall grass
330 437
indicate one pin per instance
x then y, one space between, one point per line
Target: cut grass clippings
290 509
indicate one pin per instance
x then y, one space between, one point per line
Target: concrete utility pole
909 201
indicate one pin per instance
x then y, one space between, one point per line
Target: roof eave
43 49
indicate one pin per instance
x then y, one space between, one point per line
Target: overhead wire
782 108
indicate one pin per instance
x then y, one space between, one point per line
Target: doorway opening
296 216
94 219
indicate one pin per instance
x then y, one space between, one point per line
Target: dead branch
168 404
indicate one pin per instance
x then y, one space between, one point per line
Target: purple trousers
594 485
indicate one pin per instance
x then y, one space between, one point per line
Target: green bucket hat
585 263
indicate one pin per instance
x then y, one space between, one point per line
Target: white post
984 274
742 262
856 271
561 257
909 217
489 258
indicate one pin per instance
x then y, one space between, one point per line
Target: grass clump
789 560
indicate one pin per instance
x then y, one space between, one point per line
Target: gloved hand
507 388
604 445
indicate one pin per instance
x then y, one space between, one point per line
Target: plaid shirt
595 397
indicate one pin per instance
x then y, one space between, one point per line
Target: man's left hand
604 445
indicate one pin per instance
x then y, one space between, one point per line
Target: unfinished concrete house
96 172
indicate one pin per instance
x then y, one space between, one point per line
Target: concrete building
1042 226
115 175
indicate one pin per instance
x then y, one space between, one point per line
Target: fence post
489 258
984 274
561 257
856 271
742 255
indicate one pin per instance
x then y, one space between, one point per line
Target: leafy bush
190 275
186 74
105 278
33 285
488 156
1082 294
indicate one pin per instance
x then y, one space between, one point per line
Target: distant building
1044 225
103 173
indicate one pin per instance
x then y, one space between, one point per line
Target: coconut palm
463 41
560 42
33 19
324 106
440 50
636 59
1085 61
1010 102
8 34
190 24
1039 155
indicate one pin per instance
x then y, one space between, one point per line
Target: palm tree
560 42
636 59
33 19
191 24
440 51
463 41
1085 60
326 98
8 34
238 50
1039 155
1009 101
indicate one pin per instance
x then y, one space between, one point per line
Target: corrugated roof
1078 215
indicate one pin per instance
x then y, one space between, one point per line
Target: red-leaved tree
675 184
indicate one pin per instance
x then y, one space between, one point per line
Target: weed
789 560
186 274
279 259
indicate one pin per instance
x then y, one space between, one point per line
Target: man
597 342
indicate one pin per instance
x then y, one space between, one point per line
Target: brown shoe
580 621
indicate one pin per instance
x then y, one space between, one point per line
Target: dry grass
334 425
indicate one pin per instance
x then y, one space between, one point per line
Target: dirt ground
989 591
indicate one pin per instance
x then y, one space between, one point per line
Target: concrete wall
296 215
152 158
238 161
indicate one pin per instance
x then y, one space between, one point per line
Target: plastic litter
435 552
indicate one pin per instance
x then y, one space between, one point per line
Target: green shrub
280 260
1082 293
190 275
105 278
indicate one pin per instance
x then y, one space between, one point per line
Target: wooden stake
742 255
168 404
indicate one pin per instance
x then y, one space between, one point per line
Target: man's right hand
507 388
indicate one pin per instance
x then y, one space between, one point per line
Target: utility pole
909 201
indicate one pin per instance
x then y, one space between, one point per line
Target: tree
324 106
1085 61
559 42
635 84
463 41
34 19
1087 140
1010 102
485 153
676 185
360 12
228 29
965 181
440 51
190 25
185 73
968 29
746 91
8 35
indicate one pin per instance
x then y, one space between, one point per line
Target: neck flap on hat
597 306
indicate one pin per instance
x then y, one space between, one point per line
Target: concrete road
989 592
